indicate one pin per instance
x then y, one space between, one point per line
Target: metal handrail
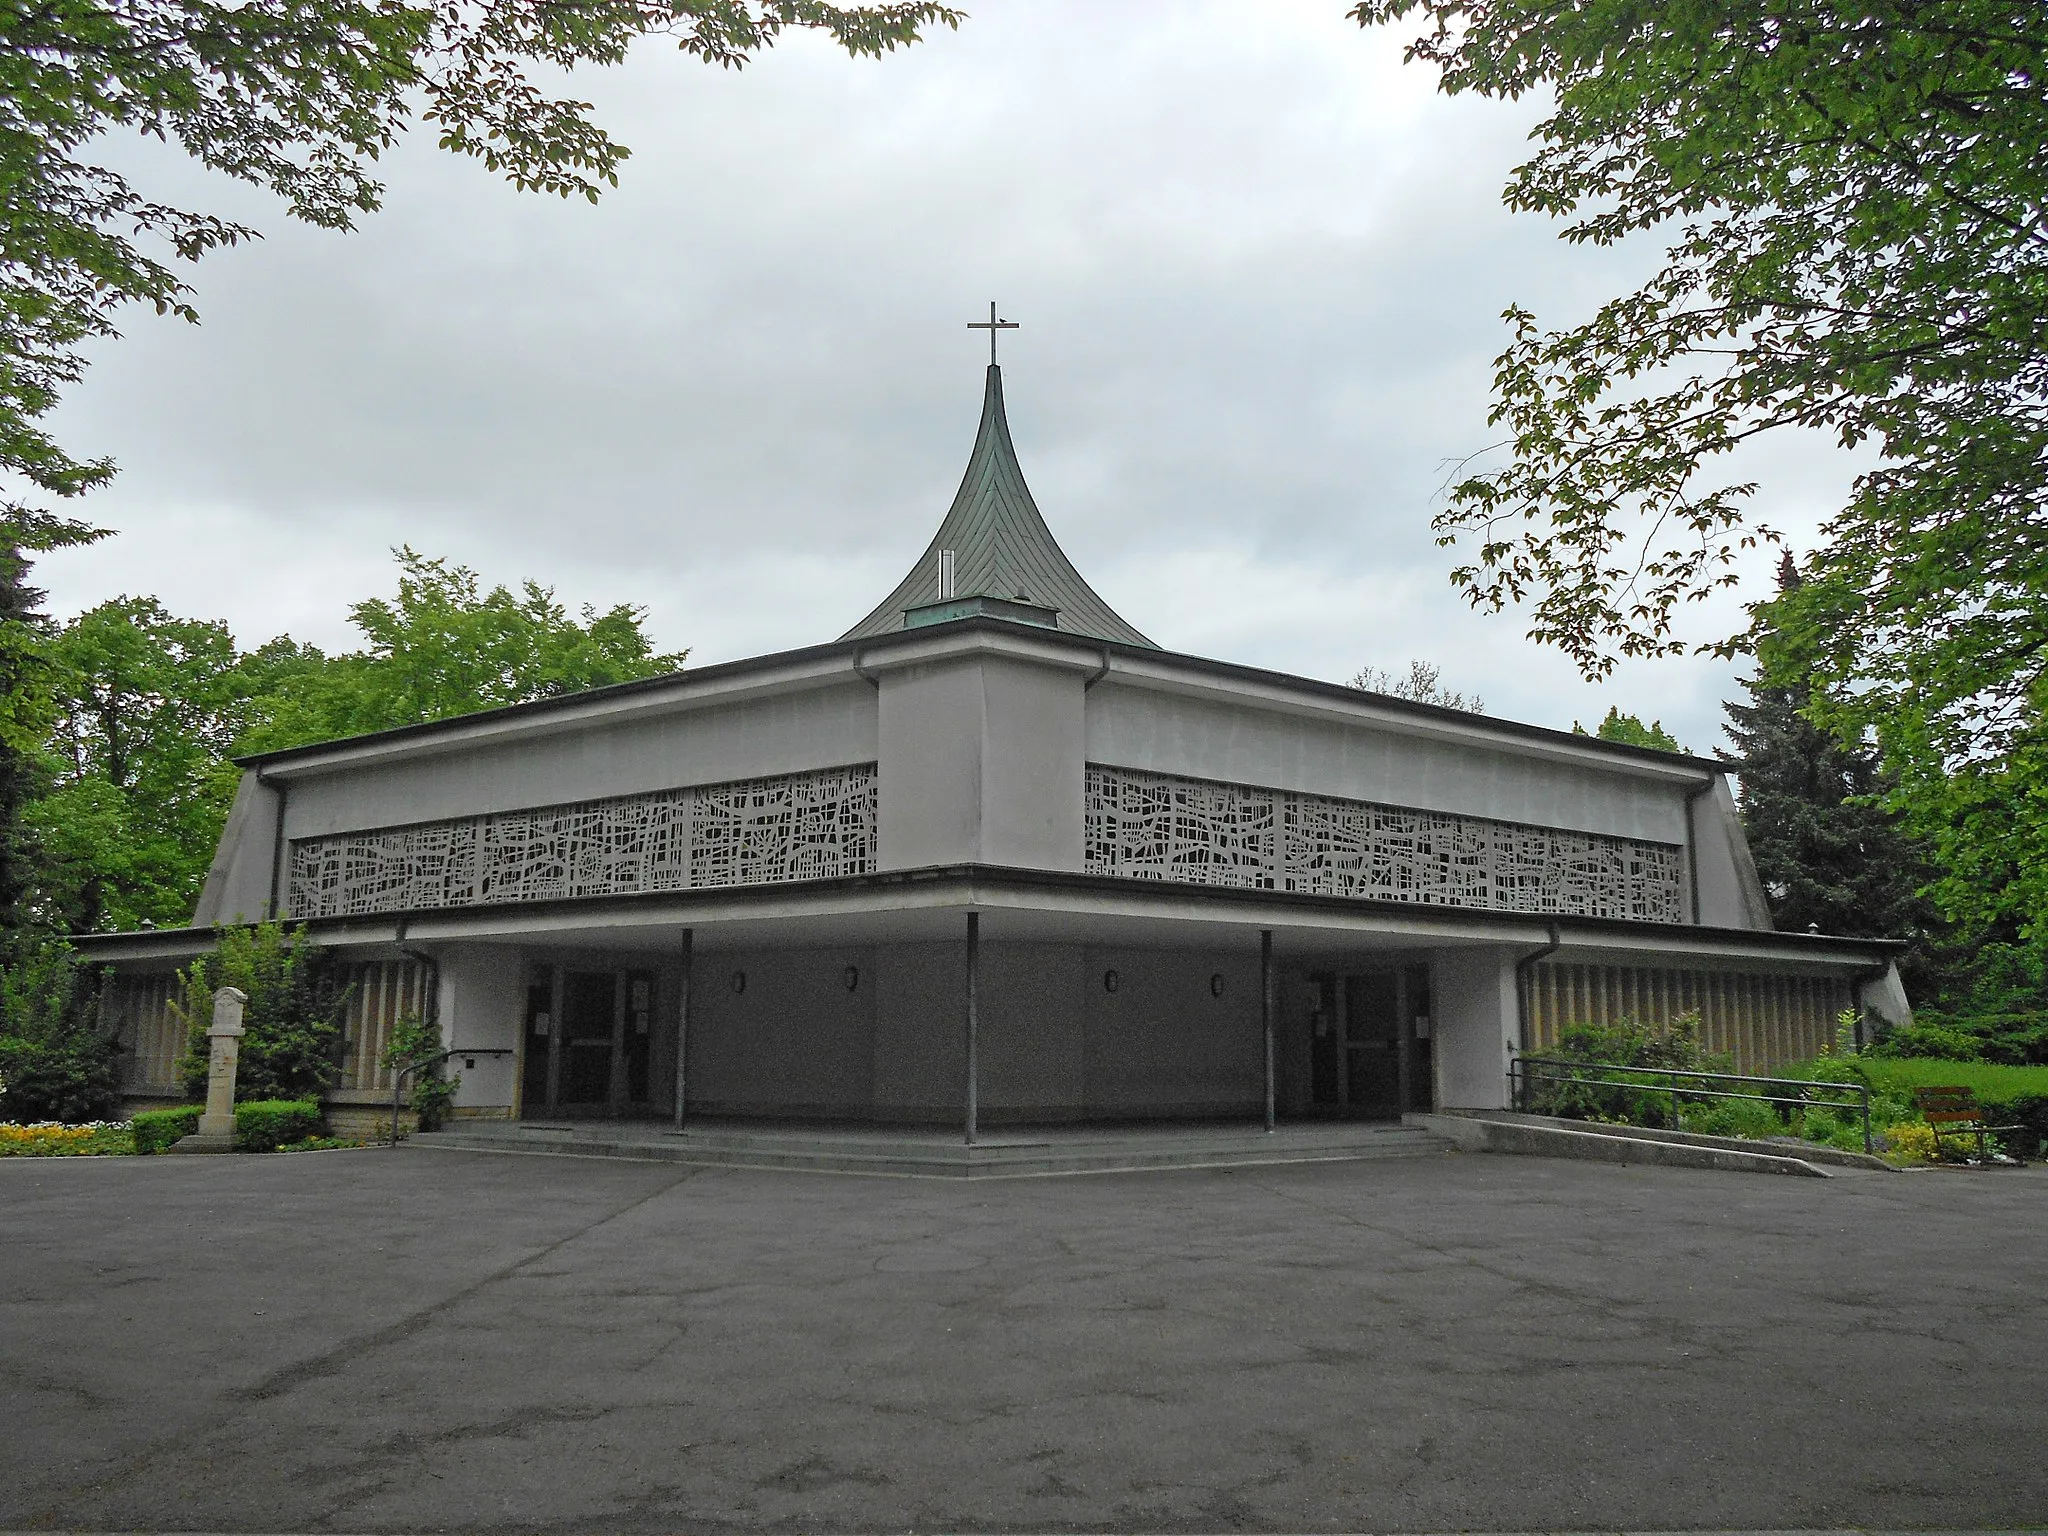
1855 1095
400 1074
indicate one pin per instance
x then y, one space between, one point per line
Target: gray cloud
1258 263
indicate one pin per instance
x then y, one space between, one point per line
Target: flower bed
48 1138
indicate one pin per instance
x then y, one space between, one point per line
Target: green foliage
1997 996
56 1062
1623 1043
131 776
301 98
2008 1095
1630 731
28 709
443 647
292 1044
1935 1042
1830 855
1854 203
149 705
1732 1117
415 1048
157 1130
265 1125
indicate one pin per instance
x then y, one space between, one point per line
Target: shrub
431 1087
292 1047
1734 1117
1627 1100
1911 1141
1938 1042
157 1129
264 1125
56 1062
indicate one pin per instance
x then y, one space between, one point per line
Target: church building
993 856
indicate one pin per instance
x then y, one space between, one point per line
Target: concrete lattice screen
1763 1021
799 826
1158 827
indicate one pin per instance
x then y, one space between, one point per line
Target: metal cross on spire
992 325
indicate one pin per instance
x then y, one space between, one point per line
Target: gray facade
773 862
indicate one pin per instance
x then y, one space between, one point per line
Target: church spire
1000 546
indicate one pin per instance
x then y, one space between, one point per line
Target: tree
1630 731
1828 851
1855 195
442 647
148 707
131 780
56 1061
1422 685
299 97
28 705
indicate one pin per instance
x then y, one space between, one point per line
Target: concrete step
1001 1155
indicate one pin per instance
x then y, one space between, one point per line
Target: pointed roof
1001 546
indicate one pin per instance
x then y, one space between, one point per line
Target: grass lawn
1991 1082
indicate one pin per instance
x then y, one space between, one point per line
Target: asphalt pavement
424 1340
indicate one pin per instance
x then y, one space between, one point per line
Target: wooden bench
1955 1112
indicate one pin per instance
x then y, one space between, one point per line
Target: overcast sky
1257 262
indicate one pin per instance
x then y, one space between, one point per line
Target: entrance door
1370 1045
590 1018
589 1042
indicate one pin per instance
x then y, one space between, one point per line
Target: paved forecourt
384 1341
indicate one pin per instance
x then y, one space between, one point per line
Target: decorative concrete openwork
799 826
1150 826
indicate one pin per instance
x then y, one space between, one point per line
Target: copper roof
1001 546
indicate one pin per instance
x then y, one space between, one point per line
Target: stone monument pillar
224 1041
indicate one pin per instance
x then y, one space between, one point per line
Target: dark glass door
590 1001
1372 1044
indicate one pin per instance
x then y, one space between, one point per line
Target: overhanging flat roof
1056 898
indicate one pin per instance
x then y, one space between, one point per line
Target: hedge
264 1125
157 1129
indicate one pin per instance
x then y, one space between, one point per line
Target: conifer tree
1829 855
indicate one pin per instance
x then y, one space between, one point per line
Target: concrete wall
796 1039
790 733
1055 1043
1477 1026
1731 895
238 883
980 762
1161 732
482 1004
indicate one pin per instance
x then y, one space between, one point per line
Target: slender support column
1266 1011
973 1022
683 1026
